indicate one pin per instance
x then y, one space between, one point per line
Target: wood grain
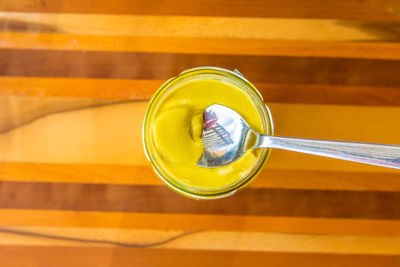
144 89
366 10
122 89
144 175
276 202
17 111
191 222
196 45
44 256
210 27
203 240
75 78
266 69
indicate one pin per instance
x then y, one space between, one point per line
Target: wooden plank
144 89
62 256
144 175
191 222
162 66
112 135
203 240
80 87
194 45
352 9
157 199
17 111
203 27
79 173
118 142
356 213
329 94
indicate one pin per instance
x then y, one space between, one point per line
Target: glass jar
205 73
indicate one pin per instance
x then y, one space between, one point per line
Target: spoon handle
373 154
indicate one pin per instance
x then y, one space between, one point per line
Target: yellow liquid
177 128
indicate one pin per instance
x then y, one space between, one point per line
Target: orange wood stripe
44 41
187 222
79 173
144 175
327 180
46 256
79 87
350 9
144 89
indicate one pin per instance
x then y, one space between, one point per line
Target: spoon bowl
226 136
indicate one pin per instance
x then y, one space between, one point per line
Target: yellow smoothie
177 127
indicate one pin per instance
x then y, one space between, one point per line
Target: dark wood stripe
349 9
268 69
250 201
21 256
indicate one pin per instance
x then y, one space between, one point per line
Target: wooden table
75 78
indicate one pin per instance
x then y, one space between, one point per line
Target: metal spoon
227 136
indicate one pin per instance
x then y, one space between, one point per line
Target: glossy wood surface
75 80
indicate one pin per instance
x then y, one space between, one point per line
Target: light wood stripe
223 46
350 9
17 111
112 135
144 89
188 222
144 175
200 27
212 240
